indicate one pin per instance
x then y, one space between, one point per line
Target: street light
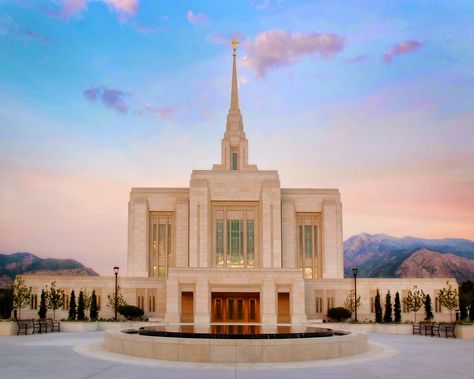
116 270
354 272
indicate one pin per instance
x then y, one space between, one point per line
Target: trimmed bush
397 308
81 315
94 314
130 311
378 308
72 306
339 313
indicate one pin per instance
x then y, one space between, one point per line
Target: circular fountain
235 343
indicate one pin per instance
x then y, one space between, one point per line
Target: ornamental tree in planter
21 294
414 300
449 298
55 298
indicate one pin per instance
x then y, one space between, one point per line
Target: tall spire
234 145
234 95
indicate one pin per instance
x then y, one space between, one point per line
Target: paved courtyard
80 355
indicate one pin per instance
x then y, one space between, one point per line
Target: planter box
466 332
79 326
8 328
394 328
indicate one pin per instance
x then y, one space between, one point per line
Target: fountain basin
270 346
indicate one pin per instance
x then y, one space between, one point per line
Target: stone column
201 299
172 301
138 238
268 299
298 313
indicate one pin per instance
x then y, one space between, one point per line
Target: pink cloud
68 9
198 19
165 112
224 38
129 7
275 48
110 98
357 59
401 48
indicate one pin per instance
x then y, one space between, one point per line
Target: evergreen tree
397 309
378 308
388 308
43 307
80 307
428 309
72 306
93 309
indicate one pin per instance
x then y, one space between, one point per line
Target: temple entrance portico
234 296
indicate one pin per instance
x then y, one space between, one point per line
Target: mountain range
27 263
384 256
375 256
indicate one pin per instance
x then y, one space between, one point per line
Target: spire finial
234 43
234 97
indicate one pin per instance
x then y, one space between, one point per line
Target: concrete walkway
61 355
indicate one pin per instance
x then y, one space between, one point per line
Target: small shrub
339 313
130 311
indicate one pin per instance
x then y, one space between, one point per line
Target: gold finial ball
234 43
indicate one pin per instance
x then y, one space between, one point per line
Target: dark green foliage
378 308
132 312
6 302
80 307
466 299
397 309
387 317
339 313
72 306
428 309
43 309
93 314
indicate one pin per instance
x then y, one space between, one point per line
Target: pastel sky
375 98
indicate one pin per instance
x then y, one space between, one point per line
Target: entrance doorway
283 316
187 307
235 307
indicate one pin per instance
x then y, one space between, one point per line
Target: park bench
447 327
53 325
424 327
40 326
23 326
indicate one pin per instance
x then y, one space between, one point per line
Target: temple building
236 247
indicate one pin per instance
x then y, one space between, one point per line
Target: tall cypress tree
428 309
397 308
72 306
80 307
378 308
42 308
93 314
388 308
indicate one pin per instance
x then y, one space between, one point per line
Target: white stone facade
236 235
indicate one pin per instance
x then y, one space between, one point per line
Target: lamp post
354 272
116 271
